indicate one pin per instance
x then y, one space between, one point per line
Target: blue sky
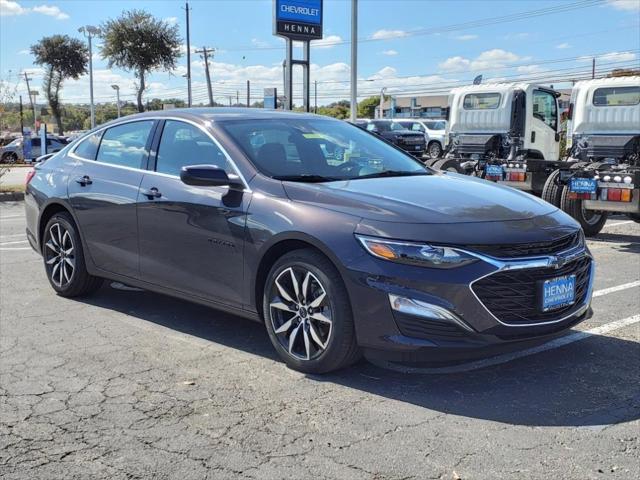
410 46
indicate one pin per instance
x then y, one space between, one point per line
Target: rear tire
308 315
434 150
591 221
634 216
10 158
64 258
448 165
552 192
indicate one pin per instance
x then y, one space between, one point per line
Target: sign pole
354 60
288 93
306 47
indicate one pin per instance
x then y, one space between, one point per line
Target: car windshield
15 142
436 125
317 150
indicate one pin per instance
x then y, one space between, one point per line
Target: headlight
420 254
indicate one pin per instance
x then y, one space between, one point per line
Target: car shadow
624 242
591 383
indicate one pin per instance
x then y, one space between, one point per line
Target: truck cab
498 130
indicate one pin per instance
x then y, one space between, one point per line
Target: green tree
63 57
139 42
367 107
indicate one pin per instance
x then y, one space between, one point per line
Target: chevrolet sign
298 19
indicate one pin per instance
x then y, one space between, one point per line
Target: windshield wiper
393 173
305 178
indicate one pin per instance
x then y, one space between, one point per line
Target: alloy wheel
60 255
300 313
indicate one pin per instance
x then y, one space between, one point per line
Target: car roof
216 114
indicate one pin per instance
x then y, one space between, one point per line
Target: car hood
441 198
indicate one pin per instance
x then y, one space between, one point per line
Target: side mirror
209 176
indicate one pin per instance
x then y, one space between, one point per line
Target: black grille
513 297
426 328
530 249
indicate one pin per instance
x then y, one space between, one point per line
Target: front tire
434 150
591 221
64 258
10 158
308 315
448 165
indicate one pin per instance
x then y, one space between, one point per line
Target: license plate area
557 293
583 185
493 171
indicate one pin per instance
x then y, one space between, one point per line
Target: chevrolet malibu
340 243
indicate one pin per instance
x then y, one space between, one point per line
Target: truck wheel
447 166
591 221
434 149
552 192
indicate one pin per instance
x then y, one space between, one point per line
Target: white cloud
611 57
517 36
259 43
563 46
387 34
171 20
529 69
327 42
626 5
389 53
51 11
466 37
26 51
487 60
9 8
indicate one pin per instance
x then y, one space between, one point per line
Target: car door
191 238
544 125
103 192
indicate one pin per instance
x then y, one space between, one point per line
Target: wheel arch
275 249
53 207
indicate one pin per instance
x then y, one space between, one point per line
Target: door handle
151 193
84 180
533 137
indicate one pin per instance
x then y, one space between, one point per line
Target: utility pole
381 110
117 89
237 98
188 58
205 53
21 118
315 96
33 106
354 59
248 93
230 100
593 68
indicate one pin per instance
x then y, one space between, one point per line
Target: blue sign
583 185
270 98
305 11
298 19
493 171
26 144
558 292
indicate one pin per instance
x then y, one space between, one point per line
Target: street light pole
117 89
89 31
354 60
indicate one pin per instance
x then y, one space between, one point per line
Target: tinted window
88 148
35 142
125 145
436 125
481 101
325 148
544 108
616 96
183 144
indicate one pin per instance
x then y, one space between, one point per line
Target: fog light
419 308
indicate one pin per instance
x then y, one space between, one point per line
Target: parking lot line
2 244
508 357
618 223
617 288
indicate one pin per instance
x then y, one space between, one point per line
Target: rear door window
88 148
616 96
126 145
481 101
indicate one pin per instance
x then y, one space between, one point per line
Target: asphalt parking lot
130 384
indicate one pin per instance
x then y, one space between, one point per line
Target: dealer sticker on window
583 185
558 292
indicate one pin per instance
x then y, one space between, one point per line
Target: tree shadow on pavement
588 383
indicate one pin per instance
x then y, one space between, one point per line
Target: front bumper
385 332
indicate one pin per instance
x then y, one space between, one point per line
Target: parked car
14 151
433 130
394 132
339 242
